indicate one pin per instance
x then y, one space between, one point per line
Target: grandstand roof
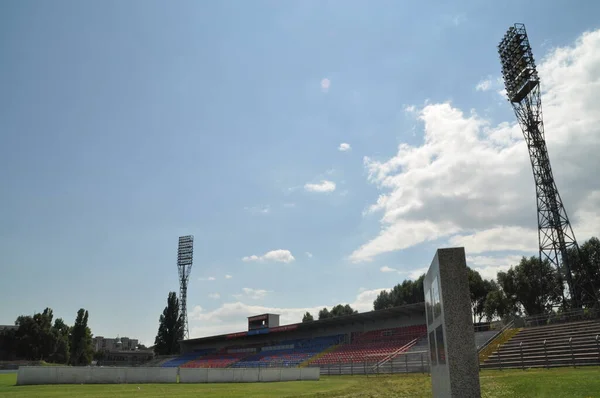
371 316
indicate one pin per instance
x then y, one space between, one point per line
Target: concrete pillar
453 356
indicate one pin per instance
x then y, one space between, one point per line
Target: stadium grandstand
389 340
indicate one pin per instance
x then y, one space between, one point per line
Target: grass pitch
555 383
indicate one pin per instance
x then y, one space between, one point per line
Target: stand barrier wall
29 375
93 375
247 375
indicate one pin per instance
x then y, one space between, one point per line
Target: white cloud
344 146
228 276
412 274
488 267
214 296
231 317
258 209
323 186
470 182
309 254
289 205
498 239
458 19
325 83
484 85
279 256
254 293
210 278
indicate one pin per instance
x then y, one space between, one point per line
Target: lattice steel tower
523 90
185 255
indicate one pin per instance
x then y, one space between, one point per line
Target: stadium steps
526 349
319 355
501 338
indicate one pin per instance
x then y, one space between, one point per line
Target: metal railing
494 337
586 314
565 355
408 362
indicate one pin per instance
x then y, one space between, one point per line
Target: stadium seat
288 353
182 359
373 346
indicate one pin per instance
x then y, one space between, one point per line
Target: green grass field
556 383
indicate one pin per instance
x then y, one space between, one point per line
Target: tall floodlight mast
185 255
522 84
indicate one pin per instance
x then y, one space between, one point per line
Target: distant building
118 344
8 327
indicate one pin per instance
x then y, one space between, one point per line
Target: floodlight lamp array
518 66
185 251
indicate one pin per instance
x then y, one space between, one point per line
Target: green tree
324 314
407 292
34 337
170 328
342 310
8 344
61 352
338 310
82 349
307 317
478 289
27 340
586 271
496 305
532 287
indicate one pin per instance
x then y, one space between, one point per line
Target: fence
562 317
553 356
409 362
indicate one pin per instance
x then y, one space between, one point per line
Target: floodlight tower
185 254
522 85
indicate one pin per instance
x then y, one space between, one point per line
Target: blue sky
124 125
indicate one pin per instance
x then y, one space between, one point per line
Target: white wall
250 375
93 375
28 375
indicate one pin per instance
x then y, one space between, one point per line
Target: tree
61 352
8 344
324 314
307 317
407 292
82 349
496 303
532 286
478 289
338 310
170 328
586 271
34 338
342 310
27 338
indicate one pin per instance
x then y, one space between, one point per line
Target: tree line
531 287
338 310
37 338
